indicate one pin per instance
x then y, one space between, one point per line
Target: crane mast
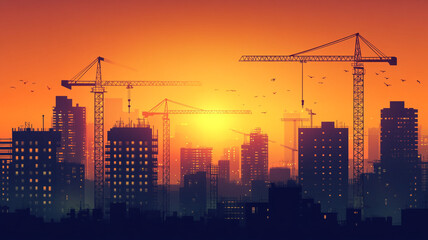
357 61
98 88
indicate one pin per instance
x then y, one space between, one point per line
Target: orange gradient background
47 41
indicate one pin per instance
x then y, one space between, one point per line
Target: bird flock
22 84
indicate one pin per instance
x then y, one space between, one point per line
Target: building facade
232 154
131 165
71 122
323 166
193 160
254 158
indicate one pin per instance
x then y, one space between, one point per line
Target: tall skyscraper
193 160
254 158
323 166
400 163
374 148
232 154
71 122
5 161
33 171
131 165
223 171
193 195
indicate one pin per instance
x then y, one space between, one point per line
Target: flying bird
25 82
377 73
288 90
274 92
21 80
386 84
263 112
382 71
256 96
264 96
418 81
48 87
323 77
320 82
315 102
13 87
386 78
273 79
310 76
403 80
346 70
33 83
32 90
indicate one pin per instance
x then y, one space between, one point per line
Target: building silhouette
223 172
254 158
71 122
193 195
131 165
374 148
232 154
400 164
279 175
5 162
193 160
33 171
323 166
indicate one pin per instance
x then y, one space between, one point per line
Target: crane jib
314 58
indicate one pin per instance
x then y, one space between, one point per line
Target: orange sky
46 41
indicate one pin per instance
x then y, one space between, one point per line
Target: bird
315 102
418 81
320 82
48 87
386 78
263 112
288 90
403 80
323 77
346 70
386 84
310 76
32 90
377 73
273 79
13 87
25 82
33 83
21 80
264 96
274 92
256 96
382 71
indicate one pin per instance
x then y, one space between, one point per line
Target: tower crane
311 114
357 61
98 88
166 146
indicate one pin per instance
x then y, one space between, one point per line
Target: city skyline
209 52
222 119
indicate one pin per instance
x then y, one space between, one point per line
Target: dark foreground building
131 165
323 166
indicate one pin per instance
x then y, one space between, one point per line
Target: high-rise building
193 160
193 195
5 160
232 154
223 171
71 122
374 148
323 166
254 158
279 175
33 171
131 164
71 187
400 163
